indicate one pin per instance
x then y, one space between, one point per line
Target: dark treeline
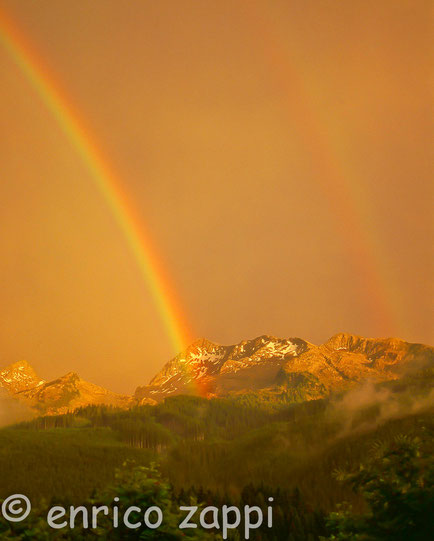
228 451
293 519
227 444
156 426
396 482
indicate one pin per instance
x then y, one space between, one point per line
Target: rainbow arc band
337 180
104 177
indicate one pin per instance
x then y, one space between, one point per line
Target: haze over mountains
291 369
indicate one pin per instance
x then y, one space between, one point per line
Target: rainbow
104 177
339 181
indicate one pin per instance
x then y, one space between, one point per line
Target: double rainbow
338 180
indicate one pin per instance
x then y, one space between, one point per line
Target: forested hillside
224 450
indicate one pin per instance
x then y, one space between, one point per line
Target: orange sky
278 153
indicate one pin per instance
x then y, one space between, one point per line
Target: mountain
291 367
18 377
20 383
265 368
207 368
68 393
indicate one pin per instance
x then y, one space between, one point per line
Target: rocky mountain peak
57 396
283 364
23 364
19 376
265 365
352 342
201 344
68 393
70 377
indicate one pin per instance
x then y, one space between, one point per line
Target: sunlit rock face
61 395
276 365
266 367
18 377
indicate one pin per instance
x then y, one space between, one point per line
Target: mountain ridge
272 364
57 396
266 366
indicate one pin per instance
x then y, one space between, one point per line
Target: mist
370 405
12 411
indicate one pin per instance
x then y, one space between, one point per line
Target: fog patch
12 411
370 405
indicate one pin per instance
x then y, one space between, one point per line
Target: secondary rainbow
104 177
339 181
